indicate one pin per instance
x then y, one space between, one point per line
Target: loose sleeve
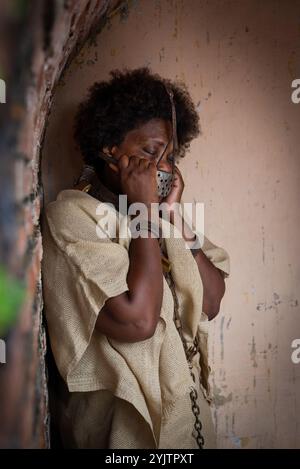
80 272
220 259
217 255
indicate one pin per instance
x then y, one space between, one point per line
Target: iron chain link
189 352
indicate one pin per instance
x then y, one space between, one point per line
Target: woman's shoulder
75 203
71 199
74 213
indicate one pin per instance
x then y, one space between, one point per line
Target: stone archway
39 39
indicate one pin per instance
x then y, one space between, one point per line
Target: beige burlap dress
122 395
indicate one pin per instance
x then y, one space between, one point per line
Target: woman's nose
164 165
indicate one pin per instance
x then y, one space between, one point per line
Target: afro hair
129 99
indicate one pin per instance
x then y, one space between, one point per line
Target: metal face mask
164 183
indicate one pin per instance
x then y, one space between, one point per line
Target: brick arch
38 43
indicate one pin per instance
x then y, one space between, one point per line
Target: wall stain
161 54
245 441
263 244
233 422
293 303
158 10
228 323
253 353
222 337
219 398
94 60
175 33
236 440
292 61
264 306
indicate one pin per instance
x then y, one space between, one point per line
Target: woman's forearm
134 314
145 276
213 285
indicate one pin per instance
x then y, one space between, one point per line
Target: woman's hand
138 179
133 315
176 192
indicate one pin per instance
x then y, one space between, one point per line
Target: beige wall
238 59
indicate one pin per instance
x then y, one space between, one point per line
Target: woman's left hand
177 189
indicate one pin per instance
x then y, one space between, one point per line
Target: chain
189 352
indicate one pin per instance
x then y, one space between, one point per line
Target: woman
127 304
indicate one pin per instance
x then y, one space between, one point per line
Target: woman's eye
150 152
171 158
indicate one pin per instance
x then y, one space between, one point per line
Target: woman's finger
123 161
143 162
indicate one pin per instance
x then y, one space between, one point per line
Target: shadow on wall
60 173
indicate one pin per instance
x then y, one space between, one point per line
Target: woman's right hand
133 315
138 179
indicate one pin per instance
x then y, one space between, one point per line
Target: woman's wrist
190 237
145 228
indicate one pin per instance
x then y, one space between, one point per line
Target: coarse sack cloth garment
80 272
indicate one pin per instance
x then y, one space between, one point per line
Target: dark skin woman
137 147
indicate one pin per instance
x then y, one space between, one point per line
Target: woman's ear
106 150
110 150
114 150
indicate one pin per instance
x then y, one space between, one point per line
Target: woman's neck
110 179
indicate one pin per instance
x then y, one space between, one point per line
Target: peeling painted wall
238 59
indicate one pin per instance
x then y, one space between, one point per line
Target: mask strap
174 122
174 126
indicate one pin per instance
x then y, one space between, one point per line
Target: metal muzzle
164 183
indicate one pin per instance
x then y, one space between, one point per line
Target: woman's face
149 141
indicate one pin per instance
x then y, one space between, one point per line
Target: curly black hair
129 99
